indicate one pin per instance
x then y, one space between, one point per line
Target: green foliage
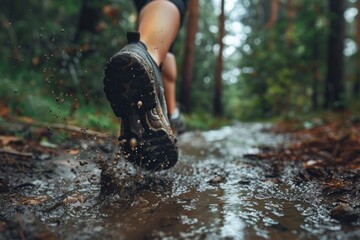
204 121
46 73
51 70
278 63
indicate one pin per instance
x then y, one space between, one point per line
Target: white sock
176 113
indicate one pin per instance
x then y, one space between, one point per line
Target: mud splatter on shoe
133 86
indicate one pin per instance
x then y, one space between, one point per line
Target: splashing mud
213 192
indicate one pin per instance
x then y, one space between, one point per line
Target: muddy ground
229 184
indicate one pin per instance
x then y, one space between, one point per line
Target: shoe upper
177 122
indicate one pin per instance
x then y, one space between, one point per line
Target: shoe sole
129 85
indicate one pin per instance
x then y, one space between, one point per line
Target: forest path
213 192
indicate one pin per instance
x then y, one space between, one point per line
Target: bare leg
159 22
168 76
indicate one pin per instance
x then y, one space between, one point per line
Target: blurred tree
206 39
189 55
357 80
335 61
218 109
274 13
315 58
89 18
282 66
290 15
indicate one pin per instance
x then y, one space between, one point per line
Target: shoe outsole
129 85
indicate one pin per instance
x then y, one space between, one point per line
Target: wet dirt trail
214 192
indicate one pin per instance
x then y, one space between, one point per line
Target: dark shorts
180 4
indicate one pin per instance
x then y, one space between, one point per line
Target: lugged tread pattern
129 80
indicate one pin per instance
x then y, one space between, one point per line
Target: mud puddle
214 192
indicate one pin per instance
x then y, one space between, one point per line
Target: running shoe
133 86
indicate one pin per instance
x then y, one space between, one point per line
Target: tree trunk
274 13
290 15
218 110
315 61
271 23
335 60
188 60
357 80
315 73
88 19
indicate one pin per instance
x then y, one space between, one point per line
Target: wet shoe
133 86
177 122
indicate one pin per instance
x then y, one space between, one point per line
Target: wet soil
217 190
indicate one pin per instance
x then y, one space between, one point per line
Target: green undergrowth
204 121
31 94
36 97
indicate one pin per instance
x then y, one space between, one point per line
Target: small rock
344 214
317 171
82 162
4 185
216 180
244 182
77 198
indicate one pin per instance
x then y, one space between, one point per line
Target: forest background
238 59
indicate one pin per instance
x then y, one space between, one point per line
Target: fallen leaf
34 200
5 140
77 198
26 120
73 151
